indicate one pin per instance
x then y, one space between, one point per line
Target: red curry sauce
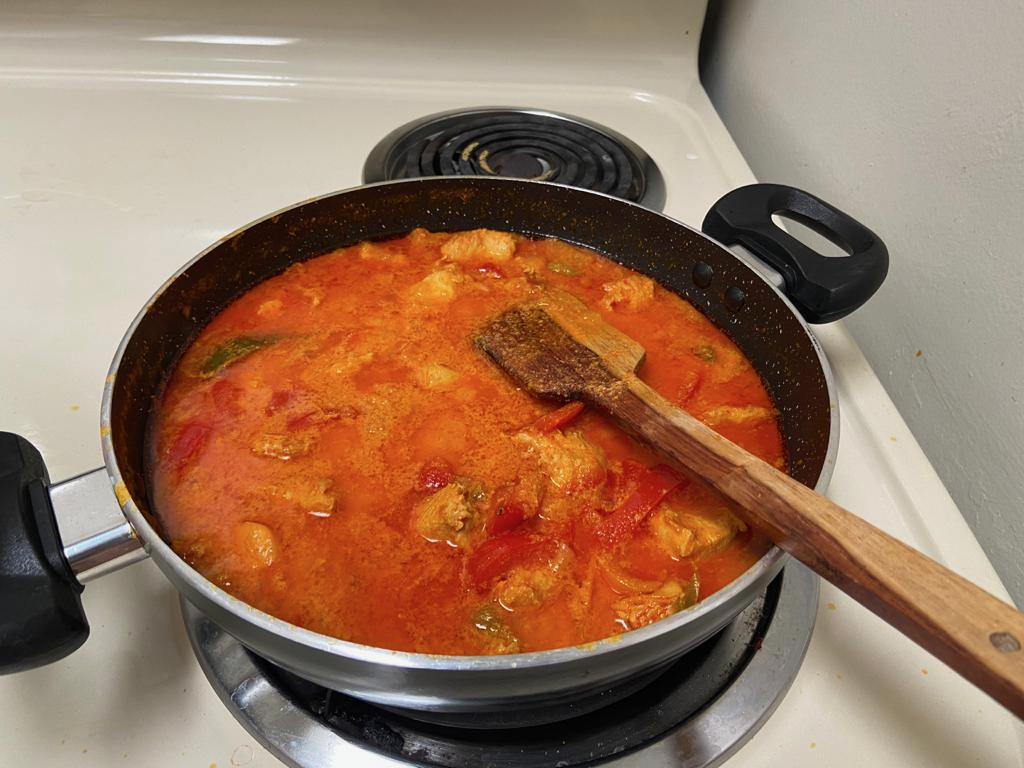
334 451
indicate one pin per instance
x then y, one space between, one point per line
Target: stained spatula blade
556 347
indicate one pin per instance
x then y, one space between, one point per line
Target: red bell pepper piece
319 416
508 516
496 556
583 533
278 399
302 421
558 418
653 486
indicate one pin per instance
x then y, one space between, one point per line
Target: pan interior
763 325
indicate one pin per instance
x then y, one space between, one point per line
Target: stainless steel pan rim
178 570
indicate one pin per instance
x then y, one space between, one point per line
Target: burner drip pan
520 143
695 714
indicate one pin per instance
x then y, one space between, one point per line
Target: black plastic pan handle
41 616
822 288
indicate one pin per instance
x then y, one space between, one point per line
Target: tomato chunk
187 443
508 516
436 474
491 269
653 486
225 395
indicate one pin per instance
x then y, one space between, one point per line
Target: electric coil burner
522 143
694 715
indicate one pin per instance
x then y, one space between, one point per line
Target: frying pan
53 538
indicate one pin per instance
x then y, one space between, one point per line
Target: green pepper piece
690 595
232 351
487 619
705 353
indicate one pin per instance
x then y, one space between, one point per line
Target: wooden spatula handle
975 633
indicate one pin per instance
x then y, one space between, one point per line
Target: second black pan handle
822 288
41 616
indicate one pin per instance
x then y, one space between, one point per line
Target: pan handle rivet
1005 642
702 274
734 298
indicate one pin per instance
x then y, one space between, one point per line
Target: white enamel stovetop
132 138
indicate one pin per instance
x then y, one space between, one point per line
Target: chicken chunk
446 515
380 252
284 447
684 534
482 244
437 286
630 293
524 587
738 414
421 238
636 611
570 461
270 308
313 496
341 360
532 266
437 377
256 544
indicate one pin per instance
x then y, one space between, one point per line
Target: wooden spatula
556 347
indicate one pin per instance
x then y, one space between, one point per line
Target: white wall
910 116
